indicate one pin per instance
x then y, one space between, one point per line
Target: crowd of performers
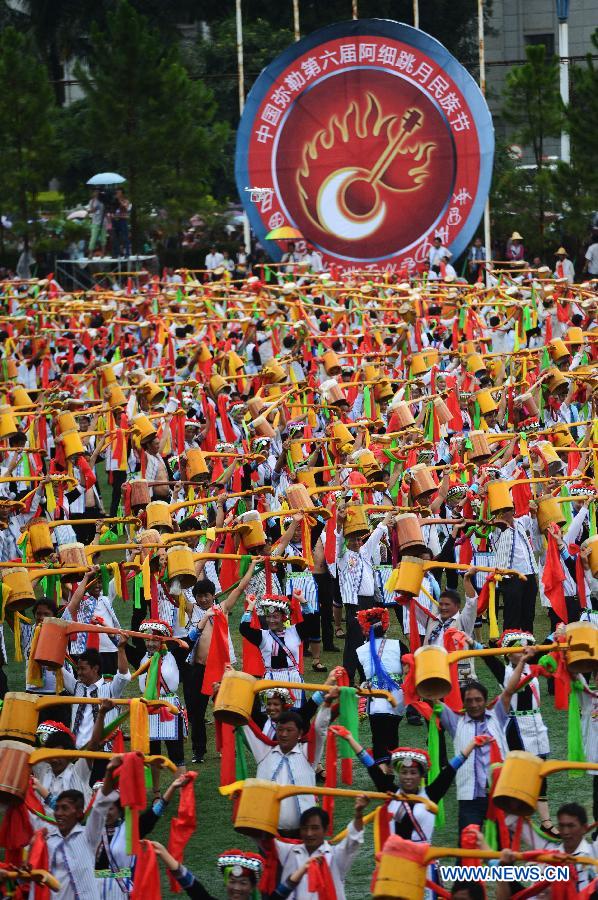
300 481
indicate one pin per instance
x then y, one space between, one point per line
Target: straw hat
516 236
561 252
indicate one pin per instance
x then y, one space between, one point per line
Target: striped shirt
356 570
514 550
72 858
472 777
107 689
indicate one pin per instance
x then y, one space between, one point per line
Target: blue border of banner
379 28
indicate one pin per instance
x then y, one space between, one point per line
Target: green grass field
215 832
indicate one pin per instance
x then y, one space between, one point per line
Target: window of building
546 39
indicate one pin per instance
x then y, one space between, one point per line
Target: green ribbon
429 431
367 402
349 718
574 737
109 537
137 582
241 772
105 576
545 360
434 752
152 691
24 547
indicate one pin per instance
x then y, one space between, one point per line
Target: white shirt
74 778
592 258
213 260
72 858
339 859
356 570
107 689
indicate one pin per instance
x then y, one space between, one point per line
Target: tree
27 129
532 105
141 117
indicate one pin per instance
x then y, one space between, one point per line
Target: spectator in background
290 258
476 258
214 259
121 245
591 257
227 262
564 266
313 258
438 254
97 211
515 248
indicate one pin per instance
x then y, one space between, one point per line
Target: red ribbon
183 824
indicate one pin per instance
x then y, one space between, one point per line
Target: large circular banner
370 139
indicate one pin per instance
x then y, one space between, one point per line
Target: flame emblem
352 201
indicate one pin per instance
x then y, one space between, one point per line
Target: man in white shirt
591 258
315 850
72 845
514 551
287 762
564 266
90 683
214 259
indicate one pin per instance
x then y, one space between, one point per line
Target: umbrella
284 233
106 178
77 214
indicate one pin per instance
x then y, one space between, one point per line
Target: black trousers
519 602
354 636
118 479
197 705
109 663
447 554
573 611
385 735
472 812
3 683
325 584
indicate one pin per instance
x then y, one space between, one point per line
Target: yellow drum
204 354
66 422
115 396
10 372
144 429
410 575
399 878
420 364
575 335
296 451
383 390
259 808
274 373
197 469
499 496
19 717
18 582
582 651
158 516
153 393
558 349
8 425
72 443
552 461
107 375
234 363
549 512
432 673
40 539
181 565
306 477
217 384
356 521
20 397
234 700
252 532
486 402
592 543
342 437
475 364
298 497
331 363
518 787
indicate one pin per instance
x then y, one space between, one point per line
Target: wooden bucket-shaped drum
204 354
298 497
475 364
592 543
217 384
258 811
432 672
273 372
331 363
234 363
399 877
159 517
72 555
499 496
264 429
181 565
8 425
256 406
21 595
549 511
552 461
20 397
575 335
334 394
480 448
252 532
40 539
14 771
519 782
420 364
154 393
140 494
19 717
234 700
144 428
356 521
582 650
558 349
306 477
528 401
196 466
368 465
115 396
486 402
107 375
51 644
342 437
146 539
296 452
383 390
443 413
422 482
66 422
410 576
8 371
403 413
72 444
409 533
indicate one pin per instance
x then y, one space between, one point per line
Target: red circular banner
370 144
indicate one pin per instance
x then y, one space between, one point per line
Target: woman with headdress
240 869
161 681
280 643
380 658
